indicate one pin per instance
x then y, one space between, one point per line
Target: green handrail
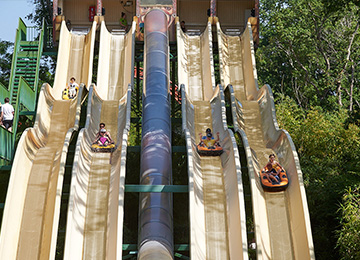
7 138
26 95
20 32
4 92
6 146
39 54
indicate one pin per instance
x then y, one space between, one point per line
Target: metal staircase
26 61
23 85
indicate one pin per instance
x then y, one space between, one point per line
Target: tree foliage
43 10
349 235
5 61
311 52
329 150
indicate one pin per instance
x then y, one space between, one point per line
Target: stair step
27 55
25 70
26 59
28 49
29 73
28 64
35 47
29 43
26 78
29 46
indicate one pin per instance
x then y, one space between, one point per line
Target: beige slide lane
31 213
95 212
281 219
217 212
213 188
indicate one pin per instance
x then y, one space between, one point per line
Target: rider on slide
209 140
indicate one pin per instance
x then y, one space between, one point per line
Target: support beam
99 7
55 9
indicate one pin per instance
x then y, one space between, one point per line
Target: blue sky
9 18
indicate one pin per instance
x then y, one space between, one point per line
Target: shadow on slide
95 211
31 213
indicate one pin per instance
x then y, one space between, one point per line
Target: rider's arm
266 167
217 137
282 168
108 134
96 137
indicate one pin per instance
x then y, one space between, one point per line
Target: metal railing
48 39
19 91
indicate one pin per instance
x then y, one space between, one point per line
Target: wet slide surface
95 212
195 68
214 194
276 203
41 190
217 213
31 213
281 219
96 218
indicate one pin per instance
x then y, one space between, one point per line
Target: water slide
281 219
95 213
217 210
155 239
31 213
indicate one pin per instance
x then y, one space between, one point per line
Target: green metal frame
26 95
4 92
20 34
156 188
177 248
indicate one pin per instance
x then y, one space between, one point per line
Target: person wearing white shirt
7 114
72 88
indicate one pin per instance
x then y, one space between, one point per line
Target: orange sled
212 151
272 185
103 149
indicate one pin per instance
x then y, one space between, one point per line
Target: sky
9 19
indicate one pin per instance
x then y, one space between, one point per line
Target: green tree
5 61
349 235
43 10
328 148
310 53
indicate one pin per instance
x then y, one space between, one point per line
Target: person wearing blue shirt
208 140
